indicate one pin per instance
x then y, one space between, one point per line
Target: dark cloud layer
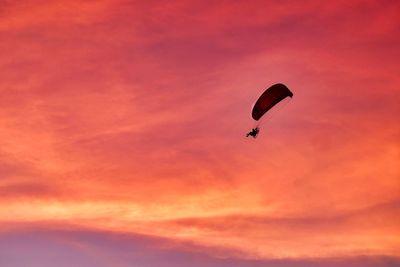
42 248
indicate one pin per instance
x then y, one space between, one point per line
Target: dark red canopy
270 98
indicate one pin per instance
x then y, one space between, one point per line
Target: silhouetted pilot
253 132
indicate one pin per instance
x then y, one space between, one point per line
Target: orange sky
129 117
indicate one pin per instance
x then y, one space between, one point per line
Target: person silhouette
254 132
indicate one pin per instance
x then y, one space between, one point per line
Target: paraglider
253 132
272 96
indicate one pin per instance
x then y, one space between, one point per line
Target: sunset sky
122 133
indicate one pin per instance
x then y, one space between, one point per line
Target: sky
122 133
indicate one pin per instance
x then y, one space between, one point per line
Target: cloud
93 248
27 14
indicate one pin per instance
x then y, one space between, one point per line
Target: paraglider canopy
272 96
